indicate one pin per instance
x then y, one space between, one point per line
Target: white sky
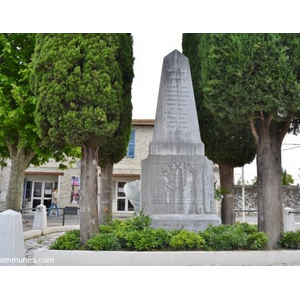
147 68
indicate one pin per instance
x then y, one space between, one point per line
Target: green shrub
257 241
148 239
246 227
106 229
69 241
224 237
141 221
290 240
104 241
141 240
187 240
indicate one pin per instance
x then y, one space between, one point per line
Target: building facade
39 181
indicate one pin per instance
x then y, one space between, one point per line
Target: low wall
168 258
290 197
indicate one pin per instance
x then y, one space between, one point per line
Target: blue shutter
131 145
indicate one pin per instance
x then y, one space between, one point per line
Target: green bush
224 237
141 221
106 229
69 241
104 241
257 241
187 240
246 227
136 234
147 239
290 240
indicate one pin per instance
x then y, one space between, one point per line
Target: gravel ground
40 242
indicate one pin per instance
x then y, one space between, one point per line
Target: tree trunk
270 219
105 211
227 190
89 223
19 162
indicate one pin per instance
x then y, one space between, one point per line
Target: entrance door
42 193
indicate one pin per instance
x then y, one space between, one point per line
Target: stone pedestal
40 218
177 178
12 251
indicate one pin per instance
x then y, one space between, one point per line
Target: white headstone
40 218
12 251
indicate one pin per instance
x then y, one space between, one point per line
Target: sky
147 68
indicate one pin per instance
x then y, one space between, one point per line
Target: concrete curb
168 258
35 233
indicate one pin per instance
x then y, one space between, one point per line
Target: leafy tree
78 83
19 140
228 150
254 79
114 149
286 178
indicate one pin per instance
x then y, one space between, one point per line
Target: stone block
12 251
40 218
177 184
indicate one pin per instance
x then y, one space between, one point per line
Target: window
131 145
123 204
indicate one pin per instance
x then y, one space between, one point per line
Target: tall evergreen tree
113 150
78 83
228 150
254 79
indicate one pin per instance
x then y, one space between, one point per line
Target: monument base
194 222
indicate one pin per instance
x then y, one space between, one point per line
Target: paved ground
51 221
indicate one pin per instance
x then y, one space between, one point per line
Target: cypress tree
253 79
78 83
113 150
227 149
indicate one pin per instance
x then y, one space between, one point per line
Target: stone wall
290 195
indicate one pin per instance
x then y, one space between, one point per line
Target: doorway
41 192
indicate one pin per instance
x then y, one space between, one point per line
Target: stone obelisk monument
177 178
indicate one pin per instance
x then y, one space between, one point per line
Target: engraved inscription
176 180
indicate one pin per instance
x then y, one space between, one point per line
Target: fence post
12 251
288 220
40 218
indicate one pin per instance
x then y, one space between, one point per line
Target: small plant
142 240
290 240
141 221
187 240
257 241
224 237
104 241
69 241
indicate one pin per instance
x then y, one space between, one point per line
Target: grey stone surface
40 218
177 184
12 251
176 129
177 178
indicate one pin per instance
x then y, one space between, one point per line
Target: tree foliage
235 148
78 83
114 149
253 79
227 149
19 139
247 76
